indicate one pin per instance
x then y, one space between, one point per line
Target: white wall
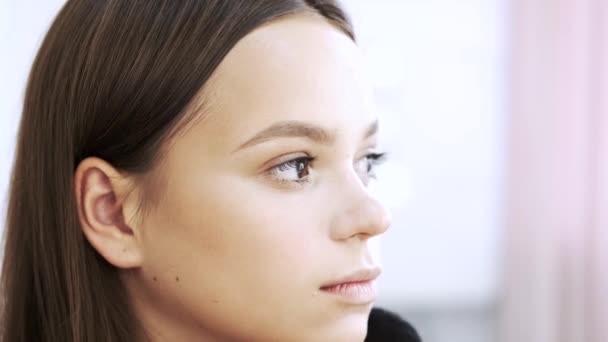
439 69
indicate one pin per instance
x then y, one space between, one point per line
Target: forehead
298 68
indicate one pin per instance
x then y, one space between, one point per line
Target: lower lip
363 292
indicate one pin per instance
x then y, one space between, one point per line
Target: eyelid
373 150
282 159
377 157
374 159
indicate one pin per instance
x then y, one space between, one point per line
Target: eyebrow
298 129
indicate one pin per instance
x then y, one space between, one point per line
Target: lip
355 288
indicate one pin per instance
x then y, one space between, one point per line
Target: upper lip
364 274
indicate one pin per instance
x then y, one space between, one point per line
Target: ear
104 200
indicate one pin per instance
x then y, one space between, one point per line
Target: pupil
300 168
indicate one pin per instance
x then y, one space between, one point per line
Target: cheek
233 245
260 234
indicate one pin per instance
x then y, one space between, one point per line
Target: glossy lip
357 288
359 276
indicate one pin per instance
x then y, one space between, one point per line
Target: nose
359 214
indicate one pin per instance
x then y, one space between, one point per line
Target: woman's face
246 229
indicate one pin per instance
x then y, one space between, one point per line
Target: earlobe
101 192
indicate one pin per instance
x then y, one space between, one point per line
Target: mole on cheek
177 279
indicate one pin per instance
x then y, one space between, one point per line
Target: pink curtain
556 251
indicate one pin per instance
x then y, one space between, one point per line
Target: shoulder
386 326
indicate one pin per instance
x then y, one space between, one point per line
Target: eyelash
295 163
373 159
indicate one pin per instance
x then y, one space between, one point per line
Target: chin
354 334
351 327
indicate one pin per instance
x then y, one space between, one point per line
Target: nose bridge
359 213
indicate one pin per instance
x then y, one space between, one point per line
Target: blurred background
495 118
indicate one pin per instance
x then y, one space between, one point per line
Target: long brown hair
112 79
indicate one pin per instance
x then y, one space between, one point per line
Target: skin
235 248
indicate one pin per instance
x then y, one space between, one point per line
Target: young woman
193 170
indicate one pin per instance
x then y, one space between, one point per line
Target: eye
366 166
295 170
